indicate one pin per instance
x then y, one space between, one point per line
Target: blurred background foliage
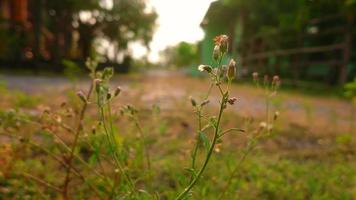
50 31
181 55
300 40
40 34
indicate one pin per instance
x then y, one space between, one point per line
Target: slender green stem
113 148
143 140
195 151
67 148
208 156
235 171
42 182
55 157
75 143
200 128
230 130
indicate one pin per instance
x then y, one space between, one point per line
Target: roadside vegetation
114 142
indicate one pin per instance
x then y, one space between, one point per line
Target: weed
94 146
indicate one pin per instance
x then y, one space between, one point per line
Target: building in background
298 40
15 11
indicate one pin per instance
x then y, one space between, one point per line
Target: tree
126 21
181 55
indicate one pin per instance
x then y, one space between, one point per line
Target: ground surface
309 155
163 88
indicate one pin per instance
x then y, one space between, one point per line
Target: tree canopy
67 29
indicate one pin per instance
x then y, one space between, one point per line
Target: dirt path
166 89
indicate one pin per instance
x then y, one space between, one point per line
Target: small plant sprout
104 100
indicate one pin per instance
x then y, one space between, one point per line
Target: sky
178 20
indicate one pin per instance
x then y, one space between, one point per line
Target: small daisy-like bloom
263 125
220 39
201 68
276 81
275 78
255 76
206 68
223 42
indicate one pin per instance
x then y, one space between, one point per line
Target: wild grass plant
93 147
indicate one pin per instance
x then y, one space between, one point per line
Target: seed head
231 70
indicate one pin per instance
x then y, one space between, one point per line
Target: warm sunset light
178 99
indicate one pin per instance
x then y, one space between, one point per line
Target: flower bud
222 70
117 91
265 79
276 115
276 81
232 100
82 96
93 130
204 102
192 101
224 43
97 81
216 53
231 70
108 96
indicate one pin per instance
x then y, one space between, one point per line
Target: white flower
206 68
263 125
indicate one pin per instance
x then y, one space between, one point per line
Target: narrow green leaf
205 140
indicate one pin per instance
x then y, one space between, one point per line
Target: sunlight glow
178 20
